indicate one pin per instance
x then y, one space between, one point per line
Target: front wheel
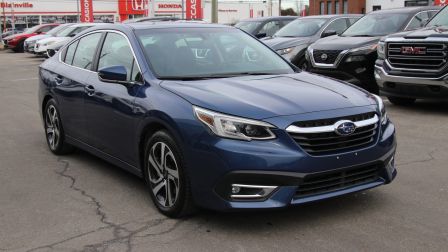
400 101
53 130
165 176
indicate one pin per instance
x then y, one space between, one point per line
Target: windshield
208 53
32 29
441 19
377 24
248 27
70 31
301 28
57 29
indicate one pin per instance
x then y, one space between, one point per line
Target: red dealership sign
194 9
86 11
440 2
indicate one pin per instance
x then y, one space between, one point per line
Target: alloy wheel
163 174
53 128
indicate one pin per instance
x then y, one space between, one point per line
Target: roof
406 10
258 19
154 25
332 16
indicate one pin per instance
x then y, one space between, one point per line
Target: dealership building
33 12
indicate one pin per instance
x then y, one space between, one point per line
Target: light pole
77 11
214 11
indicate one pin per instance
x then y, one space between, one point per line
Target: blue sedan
210 117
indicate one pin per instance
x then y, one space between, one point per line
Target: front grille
418 56
324 143
325 182
332 55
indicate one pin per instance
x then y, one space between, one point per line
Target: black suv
292 40
351 56
264 26
414 64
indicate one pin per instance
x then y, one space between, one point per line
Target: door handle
58 80
90 90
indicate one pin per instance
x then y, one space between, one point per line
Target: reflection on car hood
278 43
260 97
53 39
343 43
429 32
37 37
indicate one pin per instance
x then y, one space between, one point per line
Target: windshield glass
248 27
441 19
32 29
377 24
208 52
66 32
57 29
301 28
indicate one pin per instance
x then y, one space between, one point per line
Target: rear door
71 80
110 106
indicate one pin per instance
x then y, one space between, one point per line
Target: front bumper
220 163
411 87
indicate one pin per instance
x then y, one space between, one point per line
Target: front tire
400 101
54 132
165 176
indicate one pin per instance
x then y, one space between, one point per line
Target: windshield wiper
213 76
362 35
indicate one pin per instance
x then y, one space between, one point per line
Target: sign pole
77 8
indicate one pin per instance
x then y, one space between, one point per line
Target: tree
289 12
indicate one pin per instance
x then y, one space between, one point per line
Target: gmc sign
413 50
86 11
194 9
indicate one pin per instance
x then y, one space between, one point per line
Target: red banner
440 2
194 9
86 11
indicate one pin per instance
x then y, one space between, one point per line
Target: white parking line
26 79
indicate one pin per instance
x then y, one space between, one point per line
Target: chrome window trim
330 128
322 65
99 31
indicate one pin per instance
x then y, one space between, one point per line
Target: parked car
351 56
264 26
15 42
41 46
10 32
413 64
210 116
293 40
29 43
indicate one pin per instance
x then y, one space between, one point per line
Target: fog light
251 192
235 189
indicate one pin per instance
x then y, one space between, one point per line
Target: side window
338 25
285 22
352 20
117 52
86 50
70 52
418 21
432 14
270 28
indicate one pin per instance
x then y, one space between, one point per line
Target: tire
54 132
302 64
19 47
166 176
400 101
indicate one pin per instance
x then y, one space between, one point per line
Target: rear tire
400 101
165 176
19 47
54 132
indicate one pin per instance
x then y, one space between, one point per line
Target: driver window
117 52
338 25
418 21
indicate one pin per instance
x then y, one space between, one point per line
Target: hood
278 43
52 39
58 45
343 43
428 32
261 97
14 36
37 37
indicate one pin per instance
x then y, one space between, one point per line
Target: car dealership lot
79 202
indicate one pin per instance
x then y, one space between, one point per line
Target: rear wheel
54 132
165 176
401 101
19 47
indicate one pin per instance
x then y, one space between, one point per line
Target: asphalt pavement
80 203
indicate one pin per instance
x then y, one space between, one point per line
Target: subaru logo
324 56
344 128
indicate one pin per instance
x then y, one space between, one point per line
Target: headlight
49 43
381 108
291 52
234 127
381 49
285 51
364 50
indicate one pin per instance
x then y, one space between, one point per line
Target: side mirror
115 74
260 35
38 32
328 33
72 35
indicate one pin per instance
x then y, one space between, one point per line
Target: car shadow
424 106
